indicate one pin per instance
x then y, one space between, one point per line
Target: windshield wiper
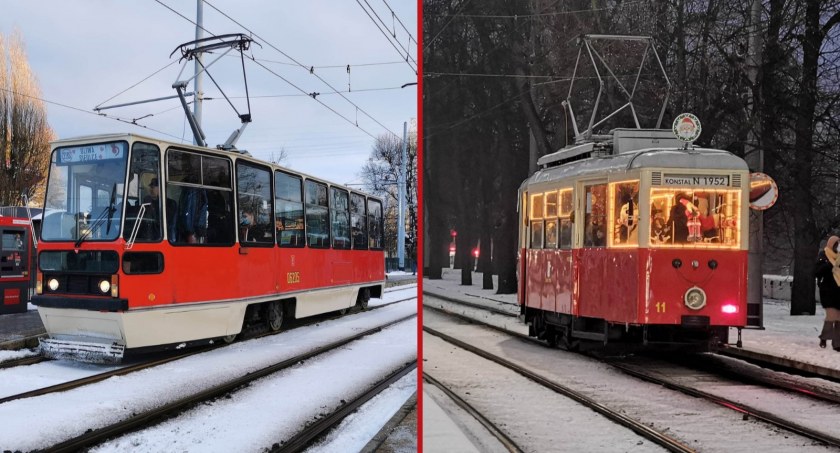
107 213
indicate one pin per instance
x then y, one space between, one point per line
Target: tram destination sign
695 180
92 153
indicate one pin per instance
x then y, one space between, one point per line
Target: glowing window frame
611 215
534 215
736 192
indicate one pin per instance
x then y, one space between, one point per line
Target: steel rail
147 418
472 305
29 360
69 385
503 438
311 432
735 406
639 428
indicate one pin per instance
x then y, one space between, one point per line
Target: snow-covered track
484 307
153 416
313 431
503 438
652 376
615 416
29 360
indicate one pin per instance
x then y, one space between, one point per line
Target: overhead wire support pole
199 85
401 203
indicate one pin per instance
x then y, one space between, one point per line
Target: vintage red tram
147 244
15 254
634 237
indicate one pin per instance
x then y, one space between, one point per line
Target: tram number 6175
293 277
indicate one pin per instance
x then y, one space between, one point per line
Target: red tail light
729 309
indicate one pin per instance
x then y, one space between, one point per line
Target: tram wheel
363 299
275 315
228 339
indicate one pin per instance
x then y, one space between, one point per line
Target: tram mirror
763 191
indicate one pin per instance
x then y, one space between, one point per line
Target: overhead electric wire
407 52
90 112
306 94
529 16
185 18
463 5
302 66
340 66
138 83
394 14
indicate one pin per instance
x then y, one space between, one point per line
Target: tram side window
375 225
203 189
317 215
537 226
358 222
253 195
551 231
340 218
595 216
565 214
288 206
624 213
144 188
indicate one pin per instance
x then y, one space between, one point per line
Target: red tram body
15 253
635 239
147 244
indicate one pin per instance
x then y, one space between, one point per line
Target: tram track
645 373
23 361
491 427
640 428
806 391
69 385
173 408
312 432
453 300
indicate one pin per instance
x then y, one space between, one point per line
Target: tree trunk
806 238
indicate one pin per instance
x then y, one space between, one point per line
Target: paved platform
20 330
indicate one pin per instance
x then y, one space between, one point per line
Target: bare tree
281 157
24 133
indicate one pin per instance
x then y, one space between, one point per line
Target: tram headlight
695 298
104 286
52 284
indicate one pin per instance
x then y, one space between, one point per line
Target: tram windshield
85 193
695 217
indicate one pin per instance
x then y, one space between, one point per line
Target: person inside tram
628 221
193 216
153 212
246 227
683 212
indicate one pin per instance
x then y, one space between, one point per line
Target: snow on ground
358 428
792 337
525 404
698 423
452 429
6 355
73 412
22 379
276 407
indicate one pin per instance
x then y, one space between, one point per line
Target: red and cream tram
147 244
635 238
15 252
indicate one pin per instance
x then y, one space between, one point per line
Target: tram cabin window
565 213
358 221
340 218
624 213
288 205
253 195
695 217
144 189
202 186
551 227
375 239
317 215
595 216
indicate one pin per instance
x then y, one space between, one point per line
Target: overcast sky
85 52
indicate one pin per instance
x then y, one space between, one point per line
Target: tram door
15 252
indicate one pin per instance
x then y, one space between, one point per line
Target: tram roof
99 138
697 158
